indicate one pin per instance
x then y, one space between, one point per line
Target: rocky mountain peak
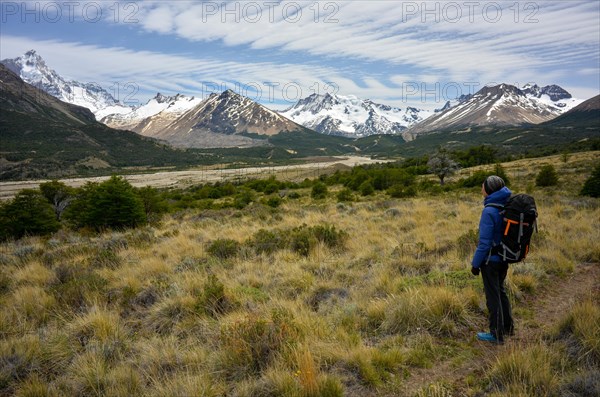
32 68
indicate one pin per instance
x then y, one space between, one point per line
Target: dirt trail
548 306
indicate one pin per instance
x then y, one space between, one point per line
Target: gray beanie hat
493 183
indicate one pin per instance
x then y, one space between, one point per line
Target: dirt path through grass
547 307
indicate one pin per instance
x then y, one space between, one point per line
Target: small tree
441 165
319 191
591 187
27 214
110 204
499 171
366 188
547 176
153 203
58 195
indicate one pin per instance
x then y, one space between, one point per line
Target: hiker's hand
475 271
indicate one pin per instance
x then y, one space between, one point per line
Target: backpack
519 216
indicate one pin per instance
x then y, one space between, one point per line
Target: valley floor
208 174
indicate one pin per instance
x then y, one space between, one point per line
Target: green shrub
243 198
271 188
300 240
224 248
303 238
400 191
345 195
274 201
547 176
28 213
152 201
366 188
591 187
265 241
329 235
110 204
319 191
478 177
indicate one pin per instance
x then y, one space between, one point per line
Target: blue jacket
490 228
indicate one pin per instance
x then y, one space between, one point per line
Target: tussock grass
435 390
532 371
435 309
316 299
581 329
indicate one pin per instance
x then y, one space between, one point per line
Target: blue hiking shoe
487 337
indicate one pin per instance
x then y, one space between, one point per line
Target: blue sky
400 53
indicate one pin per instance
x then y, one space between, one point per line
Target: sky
400 53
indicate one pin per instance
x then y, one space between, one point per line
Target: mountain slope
171 106
32 68
45 137
221 120
352 117
586 114
501 105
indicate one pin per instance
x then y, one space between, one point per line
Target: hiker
493 269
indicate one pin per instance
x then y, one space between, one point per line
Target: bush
110 204
302 239
478 177
224 248
366 188
265 241
399 191
243 198
328 235
547 176
591 187
28 213
153 203
319 191
345 195
274 201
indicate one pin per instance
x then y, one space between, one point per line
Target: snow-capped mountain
217 121
33 70
351 116
170 107
504 105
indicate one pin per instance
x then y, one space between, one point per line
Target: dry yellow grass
163 317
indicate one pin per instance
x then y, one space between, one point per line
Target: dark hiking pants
501 322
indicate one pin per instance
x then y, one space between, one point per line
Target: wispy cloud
466 40
373 49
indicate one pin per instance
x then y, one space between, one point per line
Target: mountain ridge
32 68
352 117
44 137
500 105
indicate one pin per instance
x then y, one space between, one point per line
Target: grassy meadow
372 297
